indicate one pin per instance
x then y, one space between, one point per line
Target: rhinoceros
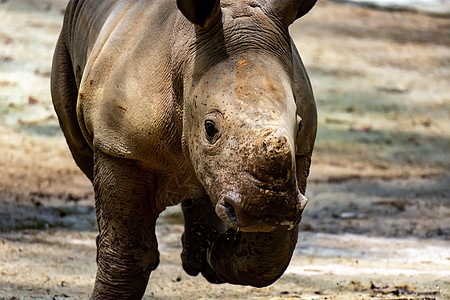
200 102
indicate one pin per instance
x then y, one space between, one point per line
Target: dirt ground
378 222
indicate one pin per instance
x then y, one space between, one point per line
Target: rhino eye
210 129
299 126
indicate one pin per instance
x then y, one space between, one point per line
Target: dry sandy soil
378 222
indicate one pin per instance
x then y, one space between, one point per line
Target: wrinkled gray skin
192 102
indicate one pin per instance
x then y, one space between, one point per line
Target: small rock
426 122
318 293
350 109
348 215
306 227
367 128
32 100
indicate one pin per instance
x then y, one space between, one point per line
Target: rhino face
241 127
240 119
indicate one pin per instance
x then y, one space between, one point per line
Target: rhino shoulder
125 104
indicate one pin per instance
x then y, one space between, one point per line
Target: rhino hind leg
202 226
126 217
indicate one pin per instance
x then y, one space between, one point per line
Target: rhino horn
200 12
289 10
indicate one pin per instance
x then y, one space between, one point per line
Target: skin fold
204 103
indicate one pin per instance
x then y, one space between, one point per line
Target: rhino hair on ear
289 10
200 12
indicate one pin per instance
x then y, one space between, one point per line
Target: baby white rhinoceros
199 102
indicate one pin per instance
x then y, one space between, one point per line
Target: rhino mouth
230 210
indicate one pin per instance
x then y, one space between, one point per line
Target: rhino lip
263 223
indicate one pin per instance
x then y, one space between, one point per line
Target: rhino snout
229 209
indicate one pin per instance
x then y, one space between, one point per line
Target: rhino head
241 126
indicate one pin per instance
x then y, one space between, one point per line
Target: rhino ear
289 10
200 12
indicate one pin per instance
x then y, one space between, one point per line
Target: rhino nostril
230 212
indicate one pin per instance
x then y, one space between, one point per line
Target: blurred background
378 221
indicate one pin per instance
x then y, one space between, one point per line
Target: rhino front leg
252 258
201 228
126 215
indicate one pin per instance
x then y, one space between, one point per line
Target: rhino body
204 103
